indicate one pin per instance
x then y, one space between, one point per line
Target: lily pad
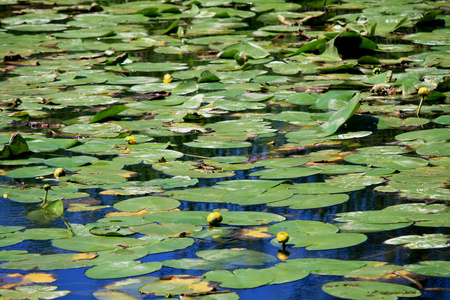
280 173
437 268
369 290
222 259
229 217
387 160
34 292
178 284
149 203
240 278
122 269
427 241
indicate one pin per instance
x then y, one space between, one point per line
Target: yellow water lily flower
423 91
282 237
214 218
131 140
59 172
167 78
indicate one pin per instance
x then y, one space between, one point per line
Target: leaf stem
420 105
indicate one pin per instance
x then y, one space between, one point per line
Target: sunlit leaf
240 278
122 269
34 292
177 284
427 241
437 268
108 112
369 290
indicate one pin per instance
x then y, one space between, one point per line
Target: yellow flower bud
167 78
214 218
131 140
59 172
282 237
423 91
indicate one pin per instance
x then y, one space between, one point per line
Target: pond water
329 123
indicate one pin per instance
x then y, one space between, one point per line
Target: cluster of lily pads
237 107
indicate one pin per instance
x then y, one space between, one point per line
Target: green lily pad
309 188
17 146
341 116
281 162
46 233
387 160
361 226
229 217
311 201
373 270
122 269
95 243
280 173
70 162
111 231
8 239
437 134
369 290
218 144
52 261
323 266
286 275
250 49
304 227
176 285
325 241
427 241
37 27
30 172
240 278
8 229
155 67
437 268
149 203
108 112
34 291
166 229
221 259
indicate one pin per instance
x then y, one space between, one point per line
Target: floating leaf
96 243
390 161
34 292
241 278
323 266
46 233
341 116
280 173
111 111
369 290
250 49
328 241
427 241
53 261
17 146
437 268
229 217
149 203
222 259
122 269
167 229
177 284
